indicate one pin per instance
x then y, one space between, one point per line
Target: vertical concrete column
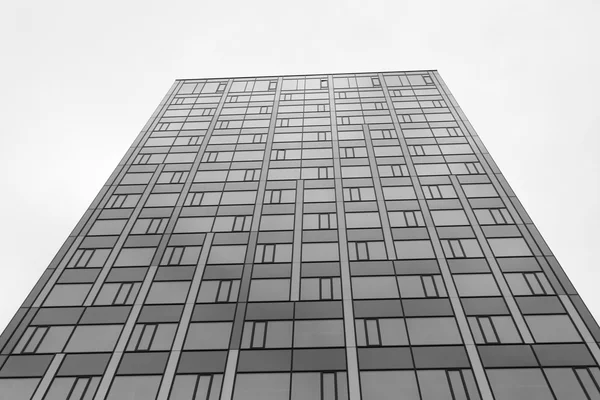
351 353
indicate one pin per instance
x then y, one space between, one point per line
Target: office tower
334 237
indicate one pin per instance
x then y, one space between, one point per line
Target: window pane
167 292
509 247
67 295
109 227
262 387
513 384
320 252
552 328
476 285
389 385
449 217
414 249
213 335
227 254
434 385
18 389
433 331
306 386
318 333
374 287
94 338
134 388
140 257
269 290
565 384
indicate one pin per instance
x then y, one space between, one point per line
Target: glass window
533 283
406 218
480 190
494 329
269 290
446 385
180 255
276 252
196 387
134 388
552 328
117 293
43 339
419 286
512 384
414 249
389 385
89 258
318 333
462 248
388 151
367 251
456 149
210 176
183 157
493 216
374 287
262 387
135 257
77 388
150 226
218 291
67 295
356 172
276 174
208 335
565 384
277 222
329 288
359 194
439 192
267 334
194 224
248 155
425 331
107 227
18 389
152 337
381 332
162 200
316 153
167 292
238 197
320 252
319 386
319 195
399 193
227 254
89 338
363 220
449 217
319 221
432 169
509 247
470 285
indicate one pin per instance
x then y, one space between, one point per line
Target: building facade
323 237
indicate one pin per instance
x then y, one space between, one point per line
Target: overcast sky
79 79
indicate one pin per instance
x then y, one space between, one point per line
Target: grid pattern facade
323 237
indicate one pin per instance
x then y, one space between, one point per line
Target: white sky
79 79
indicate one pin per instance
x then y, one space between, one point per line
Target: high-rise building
322 237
